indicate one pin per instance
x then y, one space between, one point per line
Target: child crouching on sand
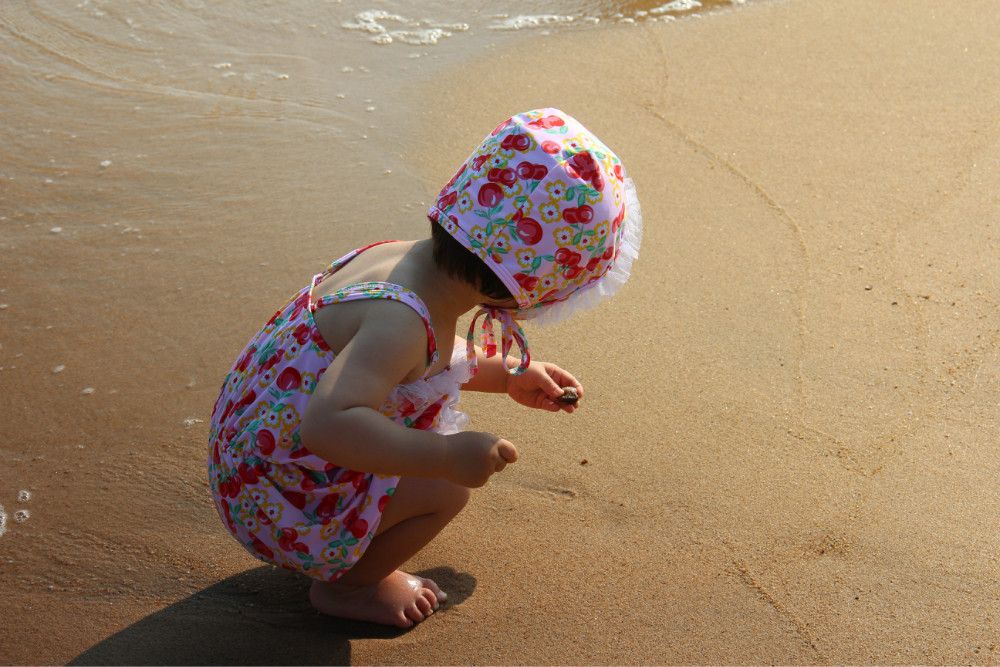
335 450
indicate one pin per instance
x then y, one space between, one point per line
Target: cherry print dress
284 504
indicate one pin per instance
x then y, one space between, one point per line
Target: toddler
335 447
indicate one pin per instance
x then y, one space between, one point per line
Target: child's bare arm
540 386
342 423
492 374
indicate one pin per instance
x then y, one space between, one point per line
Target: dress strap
374 290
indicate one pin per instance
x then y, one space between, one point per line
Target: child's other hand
474 456
540 385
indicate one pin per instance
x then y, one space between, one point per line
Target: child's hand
474 456
540 385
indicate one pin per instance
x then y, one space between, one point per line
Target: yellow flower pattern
539 181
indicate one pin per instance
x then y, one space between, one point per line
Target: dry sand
788 450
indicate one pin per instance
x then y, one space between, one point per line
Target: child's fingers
550 386
507 452
555 405
561 378
557 399
567 407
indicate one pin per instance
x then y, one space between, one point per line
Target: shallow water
120 115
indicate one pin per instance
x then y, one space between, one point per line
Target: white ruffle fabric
447 384
610 283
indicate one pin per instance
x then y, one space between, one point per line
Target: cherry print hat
550 210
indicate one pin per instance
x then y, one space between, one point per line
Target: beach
787 452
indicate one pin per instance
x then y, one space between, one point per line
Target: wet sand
788 447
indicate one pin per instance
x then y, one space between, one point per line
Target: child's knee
450 499
458 496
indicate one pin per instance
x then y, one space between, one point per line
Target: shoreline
786 451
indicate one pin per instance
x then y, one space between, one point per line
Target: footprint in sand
20 515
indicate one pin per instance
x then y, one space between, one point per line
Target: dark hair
462 263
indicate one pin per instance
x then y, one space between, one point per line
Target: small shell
569 395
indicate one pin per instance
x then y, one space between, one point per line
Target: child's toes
430 597
435 591
415 614
424 606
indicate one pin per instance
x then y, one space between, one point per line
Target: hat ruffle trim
609 284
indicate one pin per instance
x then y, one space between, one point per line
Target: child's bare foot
400 599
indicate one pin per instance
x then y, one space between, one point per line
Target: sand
787 452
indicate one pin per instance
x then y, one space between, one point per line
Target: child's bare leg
374 589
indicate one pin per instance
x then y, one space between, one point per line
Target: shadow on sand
259 617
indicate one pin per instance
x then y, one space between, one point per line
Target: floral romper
284 504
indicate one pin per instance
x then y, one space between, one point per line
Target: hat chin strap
511 333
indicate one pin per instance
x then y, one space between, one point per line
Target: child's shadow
259 617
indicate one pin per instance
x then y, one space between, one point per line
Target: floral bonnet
547 206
